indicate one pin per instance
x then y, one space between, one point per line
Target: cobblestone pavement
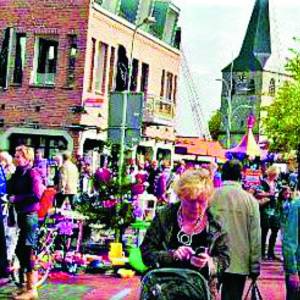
99 287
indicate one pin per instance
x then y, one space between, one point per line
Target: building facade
251 80
58 68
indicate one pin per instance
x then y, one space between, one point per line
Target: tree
214 124
282 121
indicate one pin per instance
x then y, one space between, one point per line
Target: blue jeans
27 241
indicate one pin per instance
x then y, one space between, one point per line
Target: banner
252 177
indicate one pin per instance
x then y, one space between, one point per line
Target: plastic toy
136 261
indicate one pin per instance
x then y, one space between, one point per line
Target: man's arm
63 179
254 237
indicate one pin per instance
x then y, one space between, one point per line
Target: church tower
251 79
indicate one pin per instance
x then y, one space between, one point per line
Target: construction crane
194 99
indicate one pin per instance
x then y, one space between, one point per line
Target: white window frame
34 74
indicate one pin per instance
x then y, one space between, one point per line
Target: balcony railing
159 111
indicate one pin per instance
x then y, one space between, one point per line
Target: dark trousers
272 240
3 254
233 286
292 293
27 241
61 198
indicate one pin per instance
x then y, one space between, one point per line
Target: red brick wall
41 17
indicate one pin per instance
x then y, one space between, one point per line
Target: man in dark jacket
3 255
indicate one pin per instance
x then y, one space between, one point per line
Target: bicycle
57 223
49 229
15 273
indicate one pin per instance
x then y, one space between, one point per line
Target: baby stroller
174 284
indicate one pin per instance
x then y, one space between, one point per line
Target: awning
199 147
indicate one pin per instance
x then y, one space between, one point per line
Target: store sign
161 133
252 177
94 102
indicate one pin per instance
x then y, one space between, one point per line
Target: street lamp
230 112
147 20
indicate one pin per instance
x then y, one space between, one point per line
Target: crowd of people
208 219
232 223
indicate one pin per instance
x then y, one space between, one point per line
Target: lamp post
230 112
148 20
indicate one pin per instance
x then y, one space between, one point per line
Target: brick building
59 61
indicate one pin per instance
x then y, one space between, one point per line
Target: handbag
255 292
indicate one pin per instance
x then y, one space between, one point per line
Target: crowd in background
233 214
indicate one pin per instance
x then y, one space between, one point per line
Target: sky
212 35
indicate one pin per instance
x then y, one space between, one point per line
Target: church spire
256 47
258 38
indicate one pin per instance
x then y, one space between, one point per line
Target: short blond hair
5 156
193 184
272 170
27 152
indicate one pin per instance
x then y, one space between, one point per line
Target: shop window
49 145
163 155
162 83
169 89
4 55
92 65
111 68
19 57
251 86
45 61
272 87
100 77
134 75
145 78
72 60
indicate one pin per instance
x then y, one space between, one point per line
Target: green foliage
110 206
282 122
214 124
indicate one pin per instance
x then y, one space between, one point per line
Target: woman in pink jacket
25 189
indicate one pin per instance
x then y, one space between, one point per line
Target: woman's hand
183 253
201 260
